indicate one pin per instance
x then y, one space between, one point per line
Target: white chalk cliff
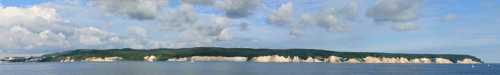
103 59
210 58
467 61
293 59
151 58
333 59
329 59
421 61
287 59
67 59
443 61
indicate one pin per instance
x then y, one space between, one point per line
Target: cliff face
103 59
292 59
421 60
93 59
67 59
210 58
443 61
333 59
277 58
151 58
330 59
468 61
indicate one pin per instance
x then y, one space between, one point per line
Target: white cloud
91 36
39 28
184 17
222 31
28 28
137 31
282 16
395 10
199 2
231 8
18 37
189 27
135 9
327 20
43 17
205 33
351 10
399 13
238 8
196 29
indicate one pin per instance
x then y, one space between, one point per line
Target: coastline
215 54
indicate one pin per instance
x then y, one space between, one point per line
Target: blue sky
396 26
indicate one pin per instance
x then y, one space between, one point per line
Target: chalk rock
151 58
333 59
371 60
67 59
443 61
102 59
353 61
219 58
468 61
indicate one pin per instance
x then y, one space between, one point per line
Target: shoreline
125 62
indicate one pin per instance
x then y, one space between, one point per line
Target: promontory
217 54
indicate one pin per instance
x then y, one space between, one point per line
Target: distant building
22 59
15 59
34 59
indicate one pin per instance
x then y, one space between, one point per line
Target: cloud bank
45 26
135 9
398 13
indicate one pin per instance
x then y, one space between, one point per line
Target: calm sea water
234 68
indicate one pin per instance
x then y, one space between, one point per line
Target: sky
31 27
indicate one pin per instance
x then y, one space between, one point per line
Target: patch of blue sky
21 3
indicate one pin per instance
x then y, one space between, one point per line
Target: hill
164 54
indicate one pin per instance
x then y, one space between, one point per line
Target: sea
243 68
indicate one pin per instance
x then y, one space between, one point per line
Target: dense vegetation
166 53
